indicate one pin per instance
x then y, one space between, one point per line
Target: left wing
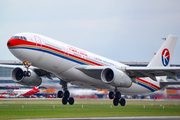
38 71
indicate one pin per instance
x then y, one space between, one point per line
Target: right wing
152 72
135 72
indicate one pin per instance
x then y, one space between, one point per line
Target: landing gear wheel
28 73
60 94
71 100
122 102
66 94
64 101
115 101
24 73
111 95
118 95
118 99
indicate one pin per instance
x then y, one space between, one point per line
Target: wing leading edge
152 72
38 71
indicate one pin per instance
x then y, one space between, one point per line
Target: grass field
52 108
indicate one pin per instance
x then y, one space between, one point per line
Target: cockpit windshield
19 37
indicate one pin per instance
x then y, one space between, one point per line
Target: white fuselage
61 59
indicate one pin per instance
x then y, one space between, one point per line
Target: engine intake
32 80
115 77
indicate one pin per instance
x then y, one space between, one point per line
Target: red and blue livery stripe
147 85
21 44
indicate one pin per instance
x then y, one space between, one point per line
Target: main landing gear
66 95
27 73
117 98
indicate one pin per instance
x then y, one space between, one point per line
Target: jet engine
115 77
31 80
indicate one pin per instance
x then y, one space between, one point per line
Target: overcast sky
122 30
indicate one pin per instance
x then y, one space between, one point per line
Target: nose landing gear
117 98
27 73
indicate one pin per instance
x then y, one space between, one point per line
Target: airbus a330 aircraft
43 56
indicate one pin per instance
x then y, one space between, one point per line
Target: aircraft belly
143 86
135 89
78 78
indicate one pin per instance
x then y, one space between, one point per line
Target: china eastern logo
165 57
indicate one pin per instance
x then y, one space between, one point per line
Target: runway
114 118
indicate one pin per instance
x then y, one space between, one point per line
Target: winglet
164 55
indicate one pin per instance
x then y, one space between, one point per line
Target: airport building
51 86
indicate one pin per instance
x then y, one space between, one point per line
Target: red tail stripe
149 83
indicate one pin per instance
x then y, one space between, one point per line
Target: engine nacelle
115 77
32 80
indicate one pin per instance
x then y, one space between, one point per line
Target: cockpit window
19 37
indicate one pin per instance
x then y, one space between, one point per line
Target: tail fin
35 88
165 53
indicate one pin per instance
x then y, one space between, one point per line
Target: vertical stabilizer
35 88
164 55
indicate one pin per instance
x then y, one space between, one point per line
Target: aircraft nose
8 43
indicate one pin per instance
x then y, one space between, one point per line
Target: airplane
19 92
25 92
44 56
86 92
2 95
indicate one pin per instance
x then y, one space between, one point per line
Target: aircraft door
38 42
66 52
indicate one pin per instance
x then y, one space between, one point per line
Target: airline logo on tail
165 57
35 88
